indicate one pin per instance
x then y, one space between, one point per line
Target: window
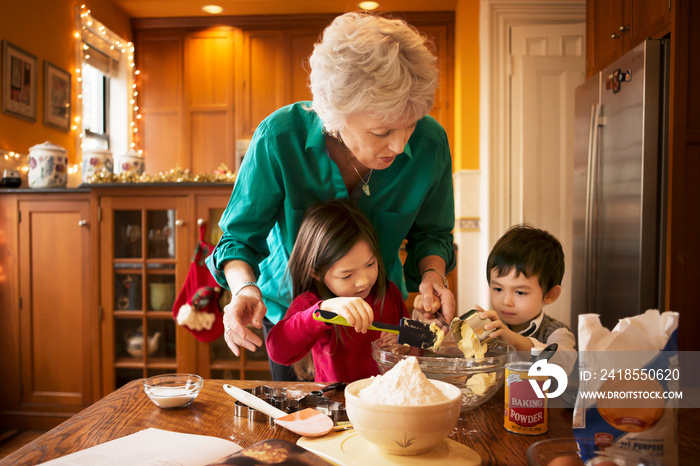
95 108
107 83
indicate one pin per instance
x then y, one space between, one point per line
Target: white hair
371 65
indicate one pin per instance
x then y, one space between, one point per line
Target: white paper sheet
152 447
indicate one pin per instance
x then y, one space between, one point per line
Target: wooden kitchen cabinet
274 70
143 256
186 99
84 274
205 84
162 135
148 236
215 359
274 65
209 100
616 26
47 308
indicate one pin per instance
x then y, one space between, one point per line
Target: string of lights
90 28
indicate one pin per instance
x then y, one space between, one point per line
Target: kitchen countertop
128 410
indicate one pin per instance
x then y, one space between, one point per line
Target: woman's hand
356 311
433 297
246 308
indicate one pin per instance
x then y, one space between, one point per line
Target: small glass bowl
568 451
564 450
478 378
171 391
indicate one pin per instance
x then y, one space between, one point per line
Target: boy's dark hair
532 252
328 231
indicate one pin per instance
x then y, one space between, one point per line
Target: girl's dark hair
532 252
328 231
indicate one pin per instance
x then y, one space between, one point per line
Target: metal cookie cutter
277 397
253 415
267 391
333 409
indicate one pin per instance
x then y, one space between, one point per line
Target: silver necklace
365 184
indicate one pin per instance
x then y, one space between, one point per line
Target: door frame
496 19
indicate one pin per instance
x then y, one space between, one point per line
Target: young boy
524 272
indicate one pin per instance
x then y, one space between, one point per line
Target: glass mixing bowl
478 378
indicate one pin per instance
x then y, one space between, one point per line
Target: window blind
100 61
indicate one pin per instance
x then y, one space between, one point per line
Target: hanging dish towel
197 306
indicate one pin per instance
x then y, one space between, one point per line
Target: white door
548 64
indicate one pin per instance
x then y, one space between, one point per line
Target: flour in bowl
404 384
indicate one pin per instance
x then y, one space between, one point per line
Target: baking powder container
525 413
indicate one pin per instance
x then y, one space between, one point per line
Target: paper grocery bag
624 374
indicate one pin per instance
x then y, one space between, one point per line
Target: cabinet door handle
179 222
624 28
614 35
82 223
200 221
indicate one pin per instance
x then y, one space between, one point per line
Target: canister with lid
95 161
130 163
48 166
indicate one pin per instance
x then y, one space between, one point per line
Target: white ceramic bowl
401 429
173 390
478 378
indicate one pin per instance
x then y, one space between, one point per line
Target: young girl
336 266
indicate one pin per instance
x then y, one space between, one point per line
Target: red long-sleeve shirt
344 359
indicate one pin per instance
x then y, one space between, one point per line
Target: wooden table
128 410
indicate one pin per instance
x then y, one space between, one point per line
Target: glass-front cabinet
147 240
144 258
215 359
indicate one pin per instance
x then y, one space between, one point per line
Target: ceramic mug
48 166
161 296
130 163
95 161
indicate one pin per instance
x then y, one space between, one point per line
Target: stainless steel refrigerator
620 186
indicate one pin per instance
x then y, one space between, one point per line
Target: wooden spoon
307 422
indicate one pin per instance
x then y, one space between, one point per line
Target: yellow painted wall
46 29
466 85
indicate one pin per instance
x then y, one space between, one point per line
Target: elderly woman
366 135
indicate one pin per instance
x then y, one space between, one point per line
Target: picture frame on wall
57 92
19 82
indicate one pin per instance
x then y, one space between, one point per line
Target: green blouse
287 169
